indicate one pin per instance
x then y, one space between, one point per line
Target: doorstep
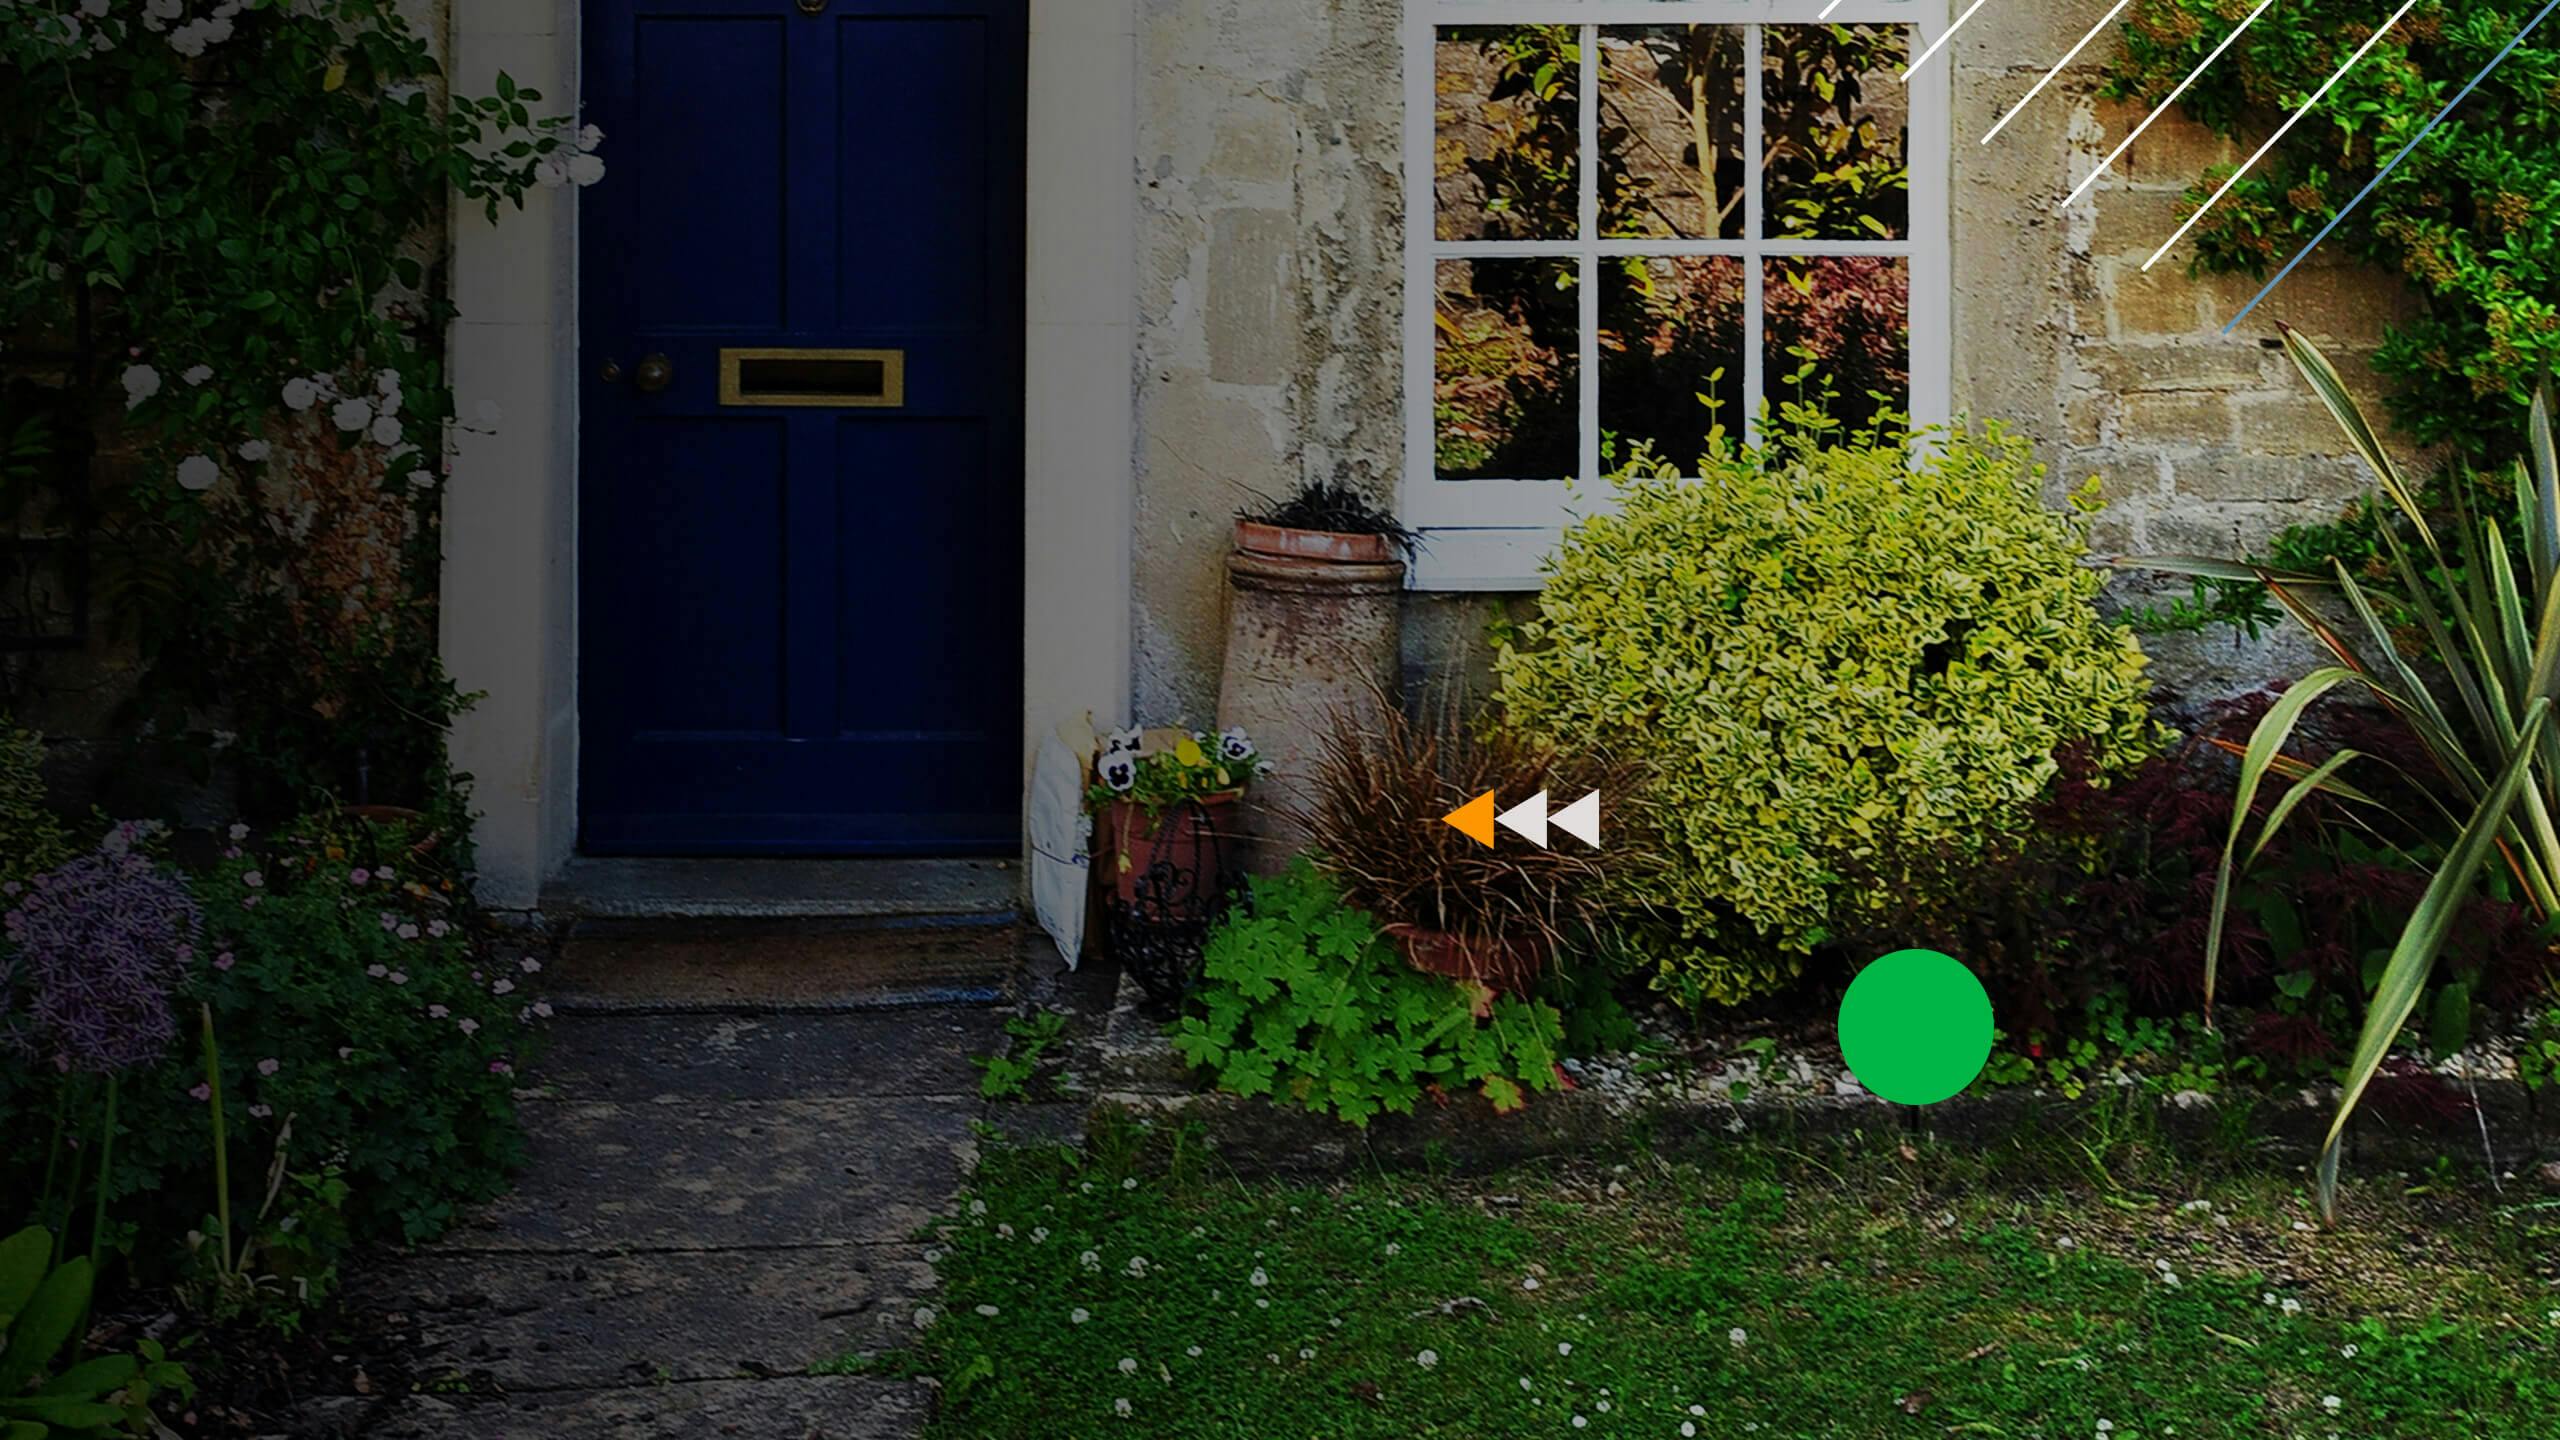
733 888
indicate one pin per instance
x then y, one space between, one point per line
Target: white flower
1581 1422
300 394
1079 1315
977 1207
1427 1359
1120 1408
1118 771
1688 1427
351 414
386 430
924 1317
198 472
1564 1347
1528 1282
1258 1279
1129 1184
1739 1336
590 136
585 170
94 9
551 172
2291 1306
1233 744
2331 1403
2066 1243
141 382
1193 1352
156 14
1124 742
2105 1425
2349 1352
254 451
387 384
197 374
1128 1365
989 1311
1305 1353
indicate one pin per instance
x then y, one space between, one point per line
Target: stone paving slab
583 1321
678 1175
795 1408
639 1058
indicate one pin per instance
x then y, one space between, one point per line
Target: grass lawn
1824 1288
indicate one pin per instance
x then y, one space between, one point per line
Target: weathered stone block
2158 302
2174 150
1251 301
2226 474
2177 419
2184 365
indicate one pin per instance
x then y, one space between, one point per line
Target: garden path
720 1202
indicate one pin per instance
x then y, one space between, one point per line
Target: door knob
610 372
655 374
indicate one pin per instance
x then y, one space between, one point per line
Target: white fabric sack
1061 836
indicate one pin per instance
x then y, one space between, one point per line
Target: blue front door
800 349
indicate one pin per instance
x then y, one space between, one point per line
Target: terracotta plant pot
1332 546
1508 964
1315 621
1169 877
1173 842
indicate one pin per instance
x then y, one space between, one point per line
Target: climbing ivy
2466 217
221 312
1303 1000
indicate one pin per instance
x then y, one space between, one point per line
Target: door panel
800 624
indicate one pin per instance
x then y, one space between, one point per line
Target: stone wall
1270 223
1269 293
2204 444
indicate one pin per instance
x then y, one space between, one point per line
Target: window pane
1670 95
1509 125
1506 373
1836 126
1670 360
1838 336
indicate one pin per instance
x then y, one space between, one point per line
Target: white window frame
1491 535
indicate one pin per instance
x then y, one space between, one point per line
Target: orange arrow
1474 819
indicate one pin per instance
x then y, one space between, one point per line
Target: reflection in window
1670 358
1506 373
1836 131
1837 336
1671 110
1507 130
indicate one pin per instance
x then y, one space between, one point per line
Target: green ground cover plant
227 1080
1779 1288
1304 1000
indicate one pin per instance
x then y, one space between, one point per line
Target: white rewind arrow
1529 819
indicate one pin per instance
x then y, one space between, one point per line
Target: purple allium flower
99 943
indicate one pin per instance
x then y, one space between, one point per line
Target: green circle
1915 1027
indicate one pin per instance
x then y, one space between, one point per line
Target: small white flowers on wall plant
141 382
198 472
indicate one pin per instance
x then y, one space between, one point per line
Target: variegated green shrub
1823 659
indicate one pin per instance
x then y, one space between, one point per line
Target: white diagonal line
2073 54
1827 9
1949 34
2163 107
2372 41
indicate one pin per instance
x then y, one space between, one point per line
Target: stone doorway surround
510 525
